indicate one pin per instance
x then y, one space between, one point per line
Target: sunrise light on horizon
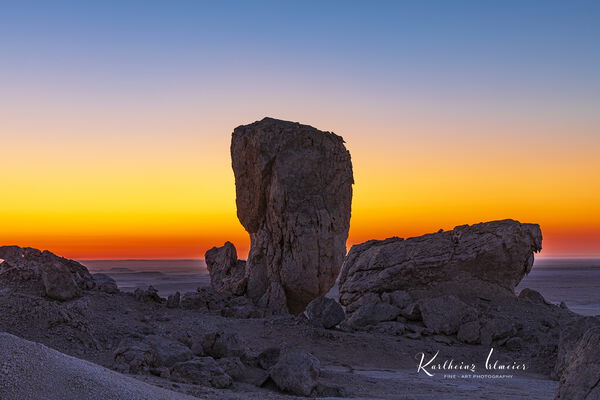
116 118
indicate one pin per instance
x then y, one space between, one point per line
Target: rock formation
483 258
57 277
581 377
293 195
227 273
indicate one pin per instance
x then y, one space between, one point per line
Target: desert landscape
429 317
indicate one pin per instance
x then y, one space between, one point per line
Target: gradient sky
116 116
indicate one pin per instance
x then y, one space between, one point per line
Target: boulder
168 351
59 283
446 314
491 256
174 300
269 357
293 195
581 376
325 312
469 332
201 371
227 273
234 367
532 295
58 278
223 344
134 356
296 372
105 283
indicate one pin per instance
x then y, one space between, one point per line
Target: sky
116 116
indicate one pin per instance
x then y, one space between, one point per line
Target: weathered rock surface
296 372
134 356
227 273
57 277
581 377
168 351
293 195
478 257
570 336
370 314
446 314
325 312
201 371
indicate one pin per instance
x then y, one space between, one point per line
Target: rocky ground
352 364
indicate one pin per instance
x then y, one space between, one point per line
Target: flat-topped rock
487 256
293 195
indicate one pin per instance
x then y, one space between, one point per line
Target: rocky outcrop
150 294
581 377
227 273
293 195
480 259
57 277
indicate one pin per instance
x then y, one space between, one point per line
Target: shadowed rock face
58 277
293 195
581 378
227 273
496 254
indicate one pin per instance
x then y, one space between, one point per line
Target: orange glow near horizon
176 200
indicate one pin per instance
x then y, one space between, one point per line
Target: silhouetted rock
293 195
227 273
148 295
484 258
57 277
581 376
